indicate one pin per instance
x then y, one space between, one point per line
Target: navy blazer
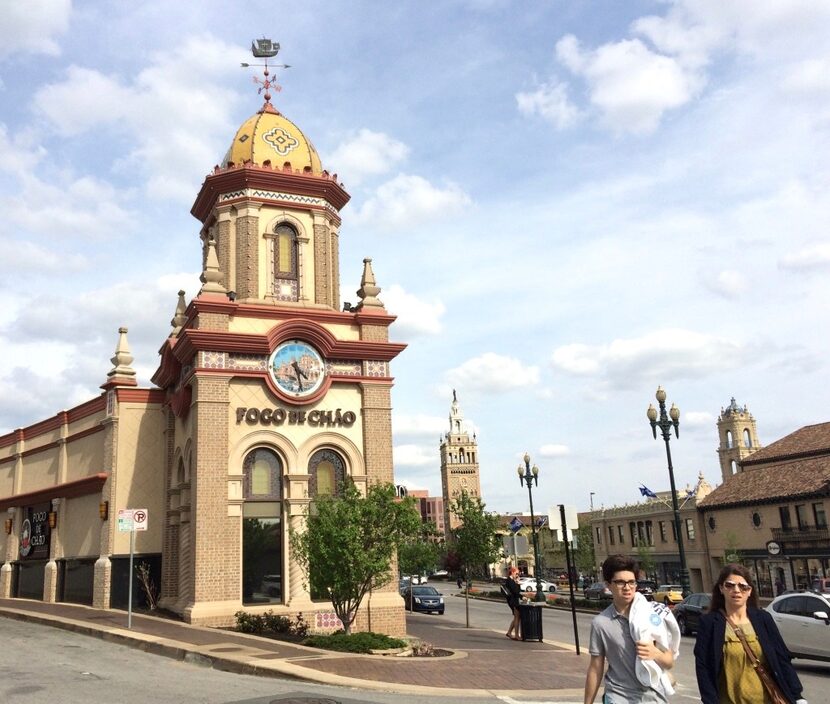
709 654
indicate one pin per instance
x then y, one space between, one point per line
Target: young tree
584 557
475 541
420 553
350 542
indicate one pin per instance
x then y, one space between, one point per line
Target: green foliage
731 552
349 543
271 625
645 558
584 557
354 642
475 541
419 554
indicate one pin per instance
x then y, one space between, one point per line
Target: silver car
803 618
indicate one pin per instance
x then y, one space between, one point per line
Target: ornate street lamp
530 476
666 423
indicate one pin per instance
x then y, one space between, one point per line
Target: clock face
297 368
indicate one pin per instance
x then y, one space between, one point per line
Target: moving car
804 622
821 585
598 590
669 594
425 599
646 587
687 612
528 584
440 574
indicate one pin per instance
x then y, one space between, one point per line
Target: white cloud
32 29
366 154
409 200
26 257
19 154
662 354
415 455
493 372
697 419
727 283
551 102
419 424
154 113
631 85
810 77
554 450
816 256
415 316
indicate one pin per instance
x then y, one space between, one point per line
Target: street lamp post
666 422
530 476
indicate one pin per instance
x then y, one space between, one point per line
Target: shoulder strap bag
772 689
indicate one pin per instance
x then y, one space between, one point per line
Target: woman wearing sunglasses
734 626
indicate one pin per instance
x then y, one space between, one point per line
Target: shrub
271 625
354 642
249 623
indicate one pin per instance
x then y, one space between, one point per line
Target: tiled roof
782 482
809 440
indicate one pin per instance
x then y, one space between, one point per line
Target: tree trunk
467 599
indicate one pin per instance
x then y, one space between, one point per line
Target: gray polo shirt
611 638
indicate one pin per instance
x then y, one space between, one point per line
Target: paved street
47 662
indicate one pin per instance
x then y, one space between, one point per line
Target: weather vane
265 49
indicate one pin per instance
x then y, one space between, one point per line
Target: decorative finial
368 290
454 397
122 374
212 277
179 319
266 49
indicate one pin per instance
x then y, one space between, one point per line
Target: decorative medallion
297 368
280 140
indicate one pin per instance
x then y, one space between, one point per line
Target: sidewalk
485 662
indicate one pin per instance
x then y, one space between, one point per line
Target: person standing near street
733 639
632 662
513 593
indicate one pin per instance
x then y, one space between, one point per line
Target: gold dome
272 137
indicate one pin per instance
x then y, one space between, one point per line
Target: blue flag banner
541 521
645 491
516 525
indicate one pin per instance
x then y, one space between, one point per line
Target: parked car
687 612
646 587
528 584
804 622
669 594
821 585
598 590
425 599
440 574
415 578
271 585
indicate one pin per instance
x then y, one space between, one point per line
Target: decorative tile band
276 195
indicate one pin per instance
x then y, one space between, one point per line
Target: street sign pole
565 537
130 590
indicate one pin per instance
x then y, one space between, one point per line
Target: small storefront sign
35 533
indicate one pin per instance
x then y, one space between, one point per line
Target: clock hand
298 373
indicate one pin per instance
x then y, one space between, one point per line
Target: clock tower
459 463
276 395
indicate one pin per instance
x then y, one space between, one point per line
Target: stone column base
5 581
102 586
50 582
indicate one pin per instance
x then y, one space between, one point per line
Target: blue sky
567 204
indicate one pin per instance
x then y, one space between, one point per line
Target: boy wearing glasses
612 642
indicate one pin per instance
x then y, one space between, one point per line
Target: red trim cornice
70 490
140 395
88 408
252 176
85 433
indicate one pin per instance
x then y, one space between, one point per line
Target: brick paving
483 659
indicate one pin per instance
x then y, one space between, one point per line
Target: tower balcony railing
808 534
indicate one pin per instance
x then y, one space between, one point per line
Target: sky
567 203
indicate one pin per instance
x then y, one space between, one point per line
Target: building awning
69 490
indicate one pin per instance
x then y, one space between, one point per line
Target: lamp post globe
530 476
665 422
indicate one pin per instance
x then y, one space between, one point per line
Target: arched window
747 438
733 466
262 528
284 262
328 473
729 438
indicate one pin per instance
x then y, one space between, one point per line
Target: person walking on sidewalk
639 641
738 647
513 593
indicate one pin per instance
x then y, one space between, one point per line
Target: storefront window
262 528
328 472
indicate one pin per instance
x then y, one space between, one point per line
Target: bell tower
459 463
738 438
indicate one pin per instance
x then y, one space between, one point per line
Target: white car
528 584
803 618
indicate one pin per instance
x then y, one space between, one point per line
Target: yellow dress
739 683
